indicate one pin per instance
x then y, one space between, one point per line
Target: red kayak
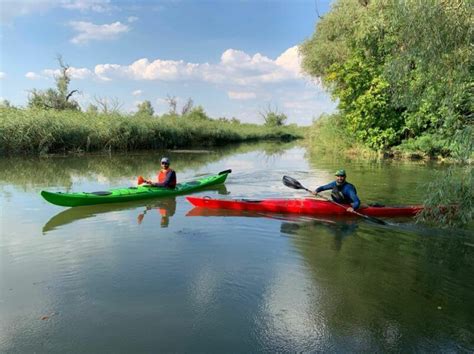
300 206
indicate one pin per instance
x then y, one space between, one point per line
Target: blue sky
235 58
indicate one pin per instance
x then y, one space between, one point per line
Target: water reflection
64 171
339 228
251 281
164 207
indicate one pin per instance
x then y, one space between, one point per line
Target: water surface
159 276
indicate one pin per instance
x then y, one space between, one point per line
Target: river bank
27 131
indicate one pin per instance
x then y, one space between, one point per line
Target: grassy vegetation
328 136
40 131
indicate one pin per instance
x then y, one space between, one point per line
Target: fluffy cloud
74 73
137 92
87 5
235 67
32 76
2 75
88 31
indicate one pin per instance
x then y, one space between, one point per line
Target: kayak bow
121 195
304 206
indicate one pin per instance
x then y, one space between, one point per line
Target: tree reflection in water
338 227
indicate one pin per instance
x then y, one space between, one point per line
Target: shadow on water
165 207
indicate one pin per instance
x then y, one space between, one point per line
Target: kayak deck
305 206
121 195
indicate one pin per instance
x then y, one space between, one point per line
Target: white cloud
243 78
235 67
32 76
235 95
74 73
87 5
88 31
290 60
2 75
132 19
102 70
16 8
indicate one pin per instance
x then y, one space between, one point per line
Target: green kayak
131 193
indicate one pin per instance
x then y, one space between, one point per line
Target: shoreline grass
26 131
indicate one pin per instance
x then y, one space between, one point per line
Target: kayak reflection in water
165 208
342 192
166 176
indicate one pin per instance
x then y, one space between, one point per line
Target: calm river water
156 277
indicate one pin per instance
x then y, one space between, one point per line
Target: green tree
145 108
272 118
59 98
197 113
396 76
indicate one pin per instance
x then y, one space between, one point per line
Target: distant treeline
402 72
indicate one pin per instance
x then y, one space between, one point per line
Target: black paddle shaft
293 183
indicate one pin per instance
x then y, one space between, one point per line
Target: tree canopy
400 70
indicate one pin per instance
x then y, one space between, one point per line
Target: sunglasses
165 163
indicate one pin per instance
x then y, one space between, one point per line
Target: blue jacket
348 190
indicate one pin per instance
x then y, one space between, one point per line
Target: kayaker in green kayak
166 177
342 191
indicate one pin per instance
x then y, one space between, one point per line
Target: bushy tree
273 118
399 69
145 108
59 98
198 113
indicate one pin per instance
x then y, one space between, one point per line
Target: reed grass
48 131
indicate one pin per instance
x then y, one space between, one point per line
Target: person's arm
325 187
353 195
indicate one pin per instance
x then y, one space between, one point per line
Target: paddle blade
140 180
292 183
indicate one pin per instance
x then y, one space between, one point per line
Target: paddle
293 183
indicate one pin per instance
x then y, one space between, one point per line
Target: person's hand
350 209
314 193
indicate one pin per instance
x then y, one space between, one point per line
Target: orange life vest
162 177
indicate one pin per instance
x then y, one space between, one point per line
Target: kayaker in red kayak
342 191
166 177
